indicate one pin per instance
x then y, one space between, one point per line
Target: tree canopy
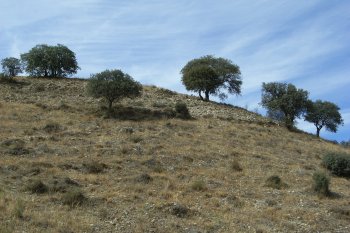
285 98
212 76
11 66
324 114
113 85
50 61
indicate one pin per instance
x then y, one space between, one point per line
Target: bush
94 167
321 183
52 127
165 92
74 197
37 187
160 104
144 178
180 211
182 110
337 164
275 182
18 210
199 185
14 147
235 166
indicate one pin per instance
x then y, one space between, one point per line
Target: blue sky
302 42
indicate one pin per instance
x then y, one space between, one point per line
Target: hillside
146 172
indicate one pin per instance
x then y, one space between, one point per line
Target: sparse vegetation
338 164
14 147
136 138
147 161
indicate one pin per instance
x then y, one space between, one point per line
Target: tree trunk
110 105
289 121
200 95
206 96
318 131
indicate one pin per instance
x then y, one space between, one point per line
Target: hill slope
145 172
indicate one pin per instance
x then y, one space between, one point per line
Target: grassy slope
62 133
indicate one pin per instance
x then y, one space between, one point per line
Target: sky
305 43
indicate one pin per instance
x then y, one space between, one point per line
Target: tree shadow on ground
121 112
13 82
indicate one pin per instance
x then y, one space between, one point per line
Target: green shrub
94 167
160 104
180 211
52 127
182 110
199 185
144 178
37 187
321 183
275 182
136 138
235 166
18 209
337 164
165 92
14 147
74 197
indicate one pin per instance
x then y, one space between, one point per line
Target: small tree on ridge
113 85
50 61
11 66
209 75
286 98
324 114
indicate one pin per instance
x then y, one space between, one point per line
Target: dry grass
155 174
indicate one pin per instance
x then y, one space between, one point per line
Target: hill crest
155 174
